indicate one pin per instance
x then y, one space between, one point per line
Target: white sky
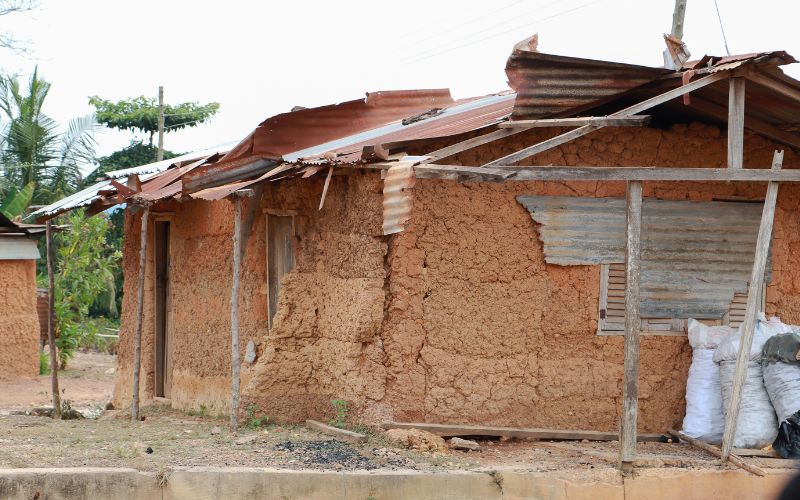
261 58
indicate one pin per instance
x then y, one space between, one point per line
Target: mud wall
481 330
19 328
457 319
198 322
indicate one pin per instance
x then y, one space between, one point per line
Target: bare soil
86 383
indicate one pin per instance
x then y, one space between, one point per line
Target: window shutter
612 307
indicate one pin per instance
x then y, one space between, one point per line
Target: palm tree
33 150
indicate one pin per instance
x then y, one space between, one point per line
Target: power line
483 17
547 18
487 29
722 28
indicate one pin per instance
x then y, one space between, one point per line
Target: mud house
446 261
19 328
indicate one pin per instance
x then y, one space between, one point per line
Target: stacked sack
705 419
757 426
782 380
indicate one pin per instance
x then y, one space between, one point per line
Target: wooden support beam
51 320
736 122
137 336
630 384
602 121
749 325
325 188
344 434
235 363
540 173
629 111
774 85
713 450
474 142
750 123
449 430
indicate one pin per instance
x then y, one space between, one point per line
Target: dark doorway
162 310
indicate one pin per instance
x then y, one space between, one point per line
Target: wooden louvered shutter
612 308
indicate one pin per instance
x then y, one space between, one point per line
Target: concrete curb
251 483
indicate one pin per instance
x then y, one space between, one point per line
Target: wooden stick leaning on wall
137 337
630 384
749 325
734 459
235 363
51 321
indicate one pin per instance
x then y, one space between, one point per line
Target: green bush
44 363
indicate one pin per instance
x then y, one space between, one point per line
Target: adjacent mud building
446 261
19 319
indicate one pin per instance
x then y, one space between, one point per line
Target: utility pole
160 155
676 53
678 15
51 320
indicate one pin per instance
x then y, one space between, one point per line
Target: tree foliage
140 114
84 272
32 147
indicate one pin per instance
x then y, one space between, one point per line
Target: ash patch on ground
333 454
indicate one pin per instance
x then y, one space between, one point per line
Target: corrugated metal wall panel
695 254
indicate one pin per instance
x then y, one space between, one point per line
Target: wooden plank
751 452
325 188
630 385
750 122
540 173
137 336
736 123
735 460
235 363
749 325
449 430
603 121
629 111
775 86
474 142
454 172
343 434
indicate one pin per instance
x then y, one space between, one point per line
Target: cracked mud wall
19 328
200 273
325 339
482 331
457 319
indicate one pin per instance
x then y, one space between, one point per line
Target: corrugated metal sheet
42 310
695 255
18 248
398 197
550 85
82 198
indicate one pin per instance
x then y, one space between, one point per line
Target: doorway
280 257
163 359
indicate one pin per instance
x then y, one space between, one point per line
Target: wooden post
235 364
734 459
630 387
325 188
749 325
160 154
736 122
51 321
137 339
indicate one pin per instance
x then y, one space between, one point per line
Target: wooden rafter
542 173
629 111
602 121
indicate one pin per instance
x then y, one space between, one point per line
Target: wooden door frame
162 369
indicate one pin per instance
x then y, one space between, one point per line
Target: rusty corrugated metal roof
550 85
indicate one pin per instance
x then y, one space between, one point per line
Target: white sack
757 425
704 418
729 348
782 381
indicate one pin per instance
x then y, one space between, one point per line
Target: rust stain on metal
398 197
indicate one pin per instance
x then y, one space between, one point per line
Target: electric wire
722 28
467 44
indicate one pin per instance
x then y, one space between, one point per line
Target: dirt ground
168 439
87 383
